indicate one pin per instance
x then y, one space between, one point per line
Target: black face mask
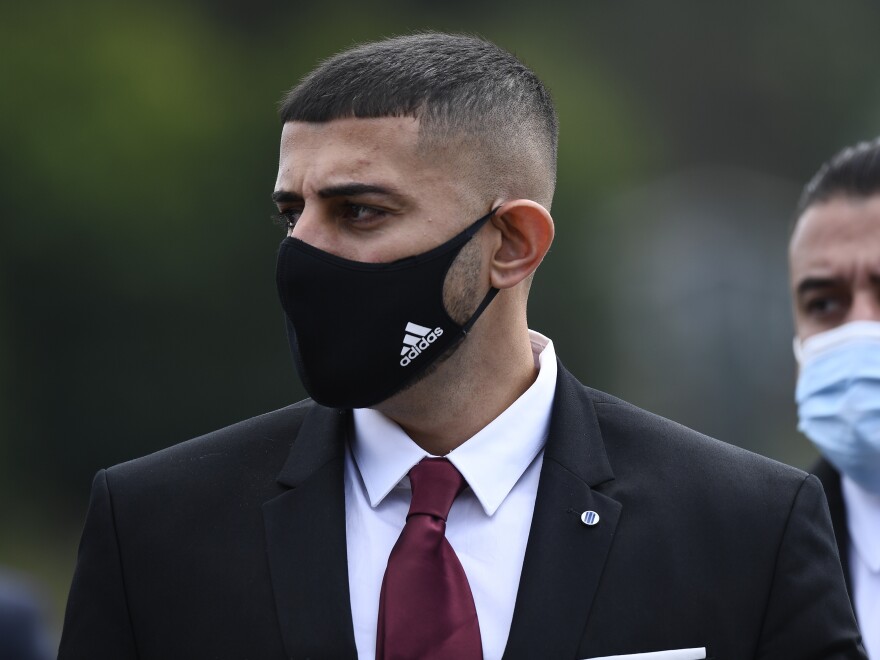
359 332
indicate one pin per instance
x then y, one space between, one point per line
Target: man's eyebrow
284 196
346 189
812 283
341 190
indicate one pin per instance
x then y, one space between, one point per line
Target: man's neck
464 395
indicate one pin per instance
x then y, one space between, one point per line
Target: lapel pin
589 518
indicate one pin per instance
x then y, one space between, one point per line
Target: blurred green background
138 148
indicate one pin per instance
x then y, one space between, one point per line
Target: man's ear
525 231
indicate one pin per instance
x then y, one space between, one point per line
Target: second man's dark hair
852 172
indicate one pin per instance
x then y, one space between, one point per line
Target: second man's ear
525 232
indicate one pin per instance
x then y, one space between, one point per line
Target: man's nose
311 229
865 306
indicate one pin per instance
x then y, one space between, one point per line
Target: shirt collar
863 522
492 461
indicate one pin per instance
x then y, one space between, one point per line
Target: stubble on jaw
461 297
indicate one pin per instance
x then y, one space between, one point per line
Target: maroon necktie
426 609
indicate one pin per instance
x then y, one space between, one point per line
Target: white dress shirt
863 523
488 525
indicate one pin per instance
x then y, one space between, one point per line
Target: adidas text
416 340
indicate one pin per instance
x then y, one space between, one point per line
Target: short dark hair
457 86
852 172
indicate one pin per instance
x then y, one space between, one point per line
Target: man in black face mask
449 490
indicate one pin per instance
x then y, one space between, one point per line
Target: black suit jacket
830 479
232 545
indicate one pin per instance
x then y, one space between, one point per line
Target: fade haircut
471 98
852 172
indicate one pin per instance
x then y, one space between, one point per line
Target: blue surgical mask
838 398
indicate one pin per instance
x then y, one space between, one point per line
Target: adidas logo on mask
416 340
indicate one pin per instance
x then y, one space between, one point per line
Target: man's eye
360 213
824 305
287 219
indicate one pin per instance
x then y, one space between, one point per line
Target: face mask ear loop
490 295
478 224
492 292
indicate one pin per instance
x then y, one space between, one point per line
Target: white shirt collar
492 461
863 522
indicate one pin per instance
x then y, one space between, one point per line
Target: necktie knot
435 485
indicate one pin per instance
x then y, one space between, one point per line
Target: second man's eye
825 305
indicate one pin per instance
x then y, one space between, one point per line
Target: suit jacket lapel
564 557
305 536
